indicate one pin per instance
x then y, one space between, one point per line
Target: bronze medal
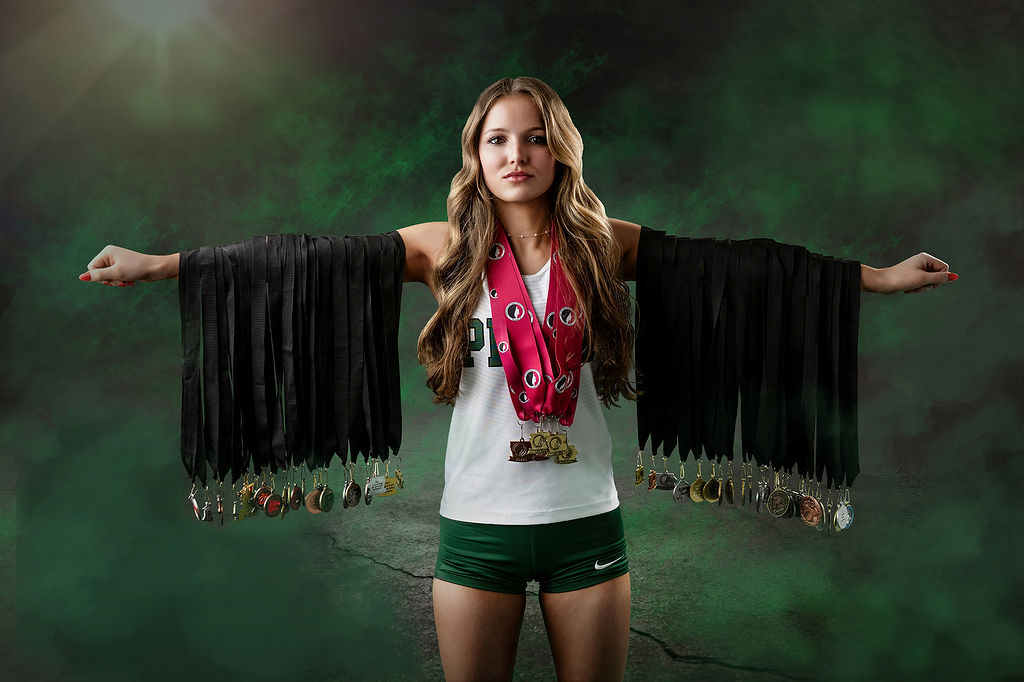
311 501
651 480
810 511
295 497
520 451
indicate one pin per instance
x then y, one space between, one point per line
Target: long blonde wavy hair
587 249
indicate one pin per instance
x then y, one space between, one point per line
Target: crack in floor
711 660
683 658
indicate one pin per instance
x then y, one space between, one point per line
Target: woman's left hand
918 273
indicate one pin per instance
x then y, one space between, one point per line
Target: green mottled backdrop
867 130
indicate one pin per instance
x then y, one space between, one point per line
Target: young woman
520 221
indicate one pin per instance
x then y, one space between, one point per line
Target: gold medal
639 468
390 482
567 456
712 490
778 502
245 502
539 445
697 487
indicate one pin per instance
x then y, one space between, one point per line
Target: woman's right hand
117 266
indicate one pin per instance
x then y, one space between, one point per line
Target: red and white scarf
541 360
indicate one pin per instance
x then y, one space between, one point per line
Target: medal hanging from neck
541 358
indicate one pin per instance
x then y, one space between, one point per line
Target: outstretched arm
915 274
118 266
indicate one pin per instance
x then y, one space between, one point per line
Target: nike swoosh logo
599 566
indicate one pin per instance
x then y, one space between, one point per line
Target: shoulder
627 236
424 244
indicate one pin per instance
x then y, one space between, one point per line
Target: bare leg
589 630
477 631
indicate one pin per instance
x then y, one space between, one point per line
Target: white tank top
480 484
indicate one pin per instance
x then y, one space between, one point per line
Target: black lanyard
298 340
771 321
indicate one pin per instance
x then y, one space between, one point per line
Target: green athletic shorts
563 556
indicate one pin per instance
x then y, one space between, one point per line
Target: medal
390 482
272 505
666 480
539 445
326 500
374 483
639 468
652 476
311 501
520 451
246 508
541 358
681 491
712 489
844 512
352 491
286 495
697 487
778 500
398 473
193 504
558 445
566 456
261 495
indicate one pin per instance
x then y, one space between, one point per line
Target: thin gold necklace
535 234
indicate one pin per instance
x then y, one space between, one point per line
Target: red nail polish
85 277
950 277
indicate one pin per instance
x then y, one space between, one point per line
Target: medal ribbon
541 358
